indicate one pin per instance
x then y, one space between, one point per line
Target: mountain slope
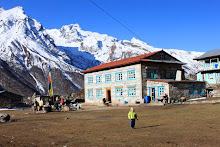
26 52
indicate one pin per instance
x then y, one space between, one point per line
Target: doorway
108 95
152 94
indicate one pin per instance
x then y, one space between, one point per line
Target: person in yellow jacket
132 115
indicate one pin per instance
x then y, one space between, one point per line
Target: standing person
132 115
166 98
57 103
60 106
41 104
35 105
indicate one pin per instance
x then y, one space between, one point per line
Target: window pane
118 76
90 80
151 73
90 93
131 74
191 89
119 92
132 91
99 93
108 78
98 79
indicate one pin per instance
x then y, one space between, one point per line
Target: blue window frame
200 89
131 91
151 73
160 91
98 93
90 93
90 80
214 63
119 92
108 78
118 76
191 89
98 79
131 75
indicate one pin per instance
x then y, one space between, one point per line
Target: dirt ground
170 125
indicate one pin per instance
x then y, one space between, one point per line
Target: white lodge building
130 80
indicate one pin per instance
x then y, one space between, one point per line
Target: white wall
125 83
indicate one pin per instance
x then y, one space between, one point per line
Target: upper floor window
211 76
108 78
151 74
207 63
118 92
90 80
90 93
118 76
131 91
160 91
162 57
170 74
98 79
214 63
131 75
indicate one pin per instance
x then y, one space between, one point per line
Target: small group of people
38 106
164 99
60 103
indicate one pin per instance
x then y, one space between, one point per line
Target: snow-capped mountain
26 52
106 48
27 49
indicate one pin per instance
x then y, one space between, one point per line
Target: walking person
132 115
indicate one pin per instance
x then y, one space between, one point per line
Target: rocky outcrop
4 117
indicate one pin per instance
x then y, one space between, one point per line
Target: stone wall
10 100
125 83
176 91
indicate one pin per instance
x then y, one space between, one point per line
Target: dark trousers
132 123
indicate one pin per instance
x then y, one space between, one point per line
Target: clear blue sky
191 25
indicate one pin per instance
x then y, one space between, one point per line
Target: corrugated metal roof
2 91
209 54
163 61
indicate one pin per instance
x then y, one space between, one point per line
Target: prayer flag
50 88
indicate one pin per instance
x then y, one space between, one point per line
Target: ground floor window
191 89
90 93
200 89
131 91
118 92
160 91
98 93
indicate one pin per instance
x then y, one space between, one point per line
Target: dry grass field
170 125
